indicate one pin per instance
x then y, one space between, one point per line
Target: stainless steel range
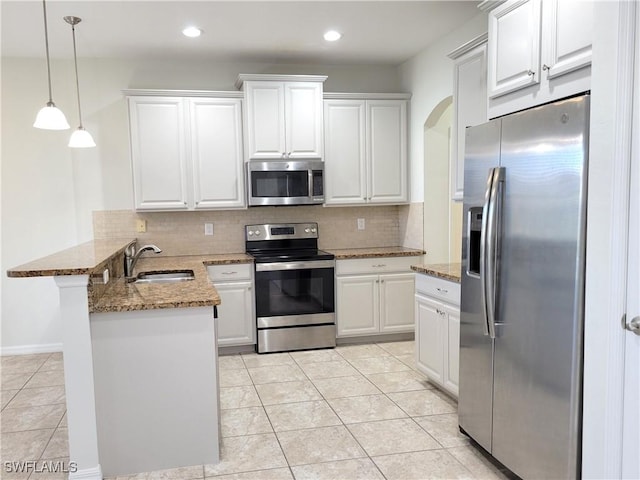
294 287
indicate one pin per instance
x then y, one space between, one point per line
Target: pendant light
80 138
49 117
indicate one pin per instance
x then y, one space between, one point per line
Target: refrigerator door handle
484 250
491 253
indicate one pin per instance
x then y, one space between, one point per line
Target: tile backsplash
182 233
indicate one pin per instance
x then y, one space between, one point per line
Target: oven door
295 293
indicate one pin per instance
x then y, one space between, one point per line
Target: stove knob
314 230
258 233
306 230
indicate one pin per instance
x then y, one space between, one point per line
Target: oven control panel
281 231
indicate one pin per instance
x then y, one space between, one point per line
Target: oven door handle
313 264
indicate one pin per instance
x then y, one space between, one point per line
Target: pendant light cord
75 59
46 44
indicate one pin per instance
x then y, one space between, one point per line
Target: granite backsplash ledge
182 233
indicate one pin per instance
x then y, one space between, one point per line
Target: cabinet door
396 302
453 350
236 324
265 119
429 338
158 153
514 46
303 119
357 309
387 151
216 153
568 33
469 107
344 161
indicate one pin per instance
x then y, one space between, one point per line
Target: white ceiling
375 32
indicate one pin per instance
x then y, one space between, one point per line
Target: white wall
429 77
49 191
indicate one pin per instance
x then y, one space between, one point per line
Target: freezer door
538 345
482 154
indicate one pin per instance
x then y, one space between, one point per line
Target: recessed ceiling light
332 36
192 32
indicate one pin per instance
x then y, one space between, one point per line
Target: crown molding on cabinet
467 47
243 77
183 93
489 5
365 96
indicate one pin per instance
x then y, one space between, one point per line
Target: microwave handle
310 182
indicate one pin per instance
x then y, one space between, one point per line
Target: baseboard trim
30 349
387 337
94 473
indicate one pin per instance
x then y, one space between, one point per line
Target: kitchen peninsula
140 360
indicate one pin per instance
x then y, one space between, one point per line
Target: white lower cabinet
374 296
437 320
236 322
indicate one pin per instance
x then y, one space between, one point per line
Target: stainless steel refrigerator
523 262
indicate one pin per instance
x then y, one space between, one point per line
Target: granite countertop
374 252
199 292
79 260
446 271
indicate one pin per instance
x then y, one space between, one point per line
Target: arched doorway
442 216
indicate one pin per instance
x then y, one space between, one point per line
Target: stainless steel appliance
285 182
294 287
523 288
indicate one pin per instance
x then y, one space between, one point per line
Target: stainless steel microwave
285 182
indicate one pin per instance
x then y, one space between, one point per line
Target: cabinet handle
545 67
379 265
531 73
377 281
442 290
229 273
381 281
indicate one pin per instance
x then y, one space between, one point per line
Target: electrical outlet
208 228
141 225
361 224
105 276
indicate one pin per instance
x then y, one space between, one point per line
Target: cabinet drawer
234 271
438 288
375 265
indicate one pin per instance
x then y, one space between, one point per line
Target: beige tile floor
355 412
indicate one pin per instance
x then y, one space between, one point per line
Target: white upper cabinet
265 119
538 51
469 103
345 156
365 139
158 150
514 55
387 151
283 116
571 35
186 151
216 152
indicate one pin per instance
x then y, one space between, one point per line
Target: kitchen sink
164 276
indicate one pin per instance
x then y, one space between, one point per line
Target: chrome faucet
131 257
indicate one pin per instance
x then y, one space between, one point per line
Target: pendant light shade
80 138
49 117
